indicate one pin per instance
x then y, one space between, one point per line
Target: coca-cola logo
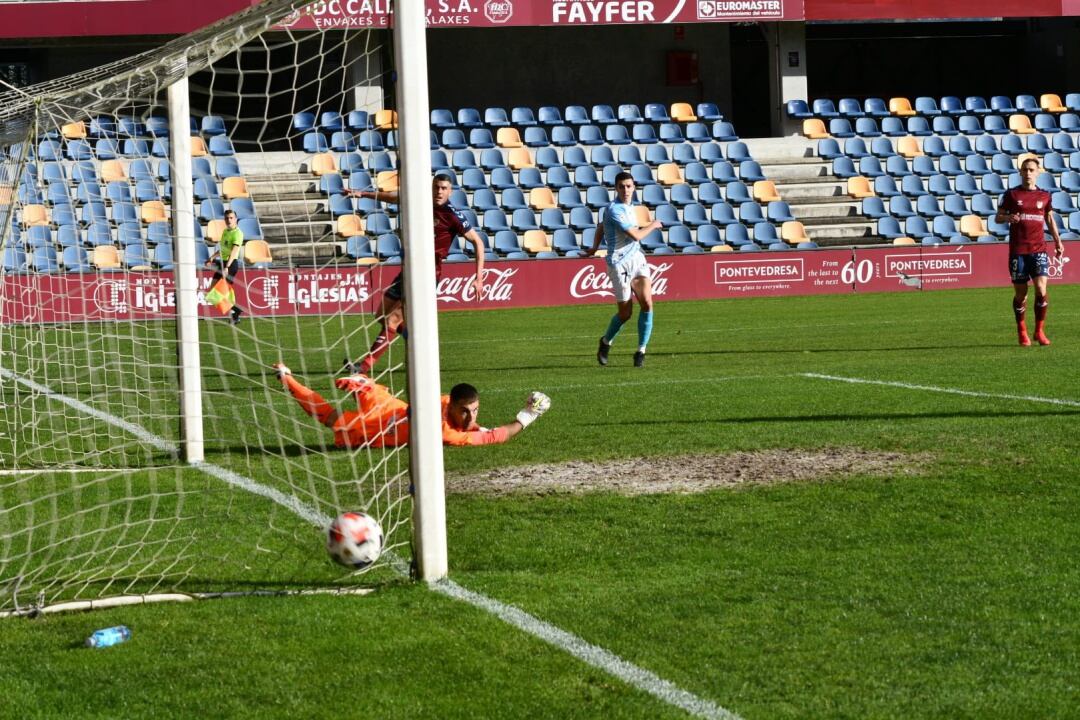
593 281
498 11
497 287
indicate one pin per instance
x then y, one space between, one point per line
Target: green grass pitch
951 591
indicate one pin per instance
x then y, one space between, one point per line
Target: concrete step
786 147
789 172
306 254
825 210
811 191
297 232
830 241
850 232
837 220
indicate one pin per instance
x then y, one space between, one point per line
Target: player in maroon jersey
1027 211
449 222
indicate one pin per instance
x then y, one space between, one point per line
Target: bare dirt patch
686 473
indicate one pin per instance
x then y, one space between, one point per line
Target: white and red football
354 539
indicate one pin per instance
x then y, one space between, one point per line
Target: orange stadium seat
214 228
541 198
152 211
34 215
74 130
508 137
323 164
113 171
973 226
793 232
901 106
536 241
1024 157
350 226
683 112
520 158
1021 124
198 147
105 257
642 215
257 252
903 241
859 187
1051 103
234 187
387 181
721 248
908 146
386 120
670 174
814 128
765 191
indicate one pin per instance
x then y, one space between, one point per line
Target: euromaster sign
328 14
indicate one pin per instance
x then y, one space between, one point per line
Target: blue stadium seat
824 108
558 177
506 242
900 207
722 214
106 149
893 127
1027 104
523 219
481 138
916 227
357 120
708 236
951 105
724 131
885 186
331 121
513 199
955 206
74 259
656 155
923 166
917 125
629 113
597 197
1053 162
982 205
850 108
652 195
875 107
843 168
387 245
618 135
976 165
463 159
671 133
129 233
69 236
453 139
927 206
642 174
698 132
252 230
855 148
1063 143
667 215
944 227
492 158
1037 144
995 125
738 152
576 115
213 125
469 118
840 127
779 211
1002 104
366 141
944 126
750 213
828 149
912 186
495 117
798 110
969 125
1046 123
302 122
987 145
537 137
736 193
473 178
441 118
869 167
750 171
695 173
694 215
602 114
1070 181
656 112
682 194
977 105
1069 122
882 148
939 185
77 150
314 142
765 234
581 218
529 178
927 106
98 233
564 241
867 127
873 208
43 260
549 115
522 116
708 112
960 146
735 234
589 135
585 177
950 165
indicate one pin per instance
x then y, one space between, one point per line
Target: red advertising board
146 296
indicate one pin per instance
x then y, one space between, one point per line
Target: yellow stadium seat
600 253
908 146
535 241
387 181
508 137
34 215
814 129
542 198
74 130
973 226
1051 103
105 257
1021 124
257 251
901 106
323 164
1024 157
6 194
234 187
386 120
721 248
198 147
669 174
152 211
683 112
113 171
859 187
903 241
793 232
520 158
213 231
367 260
350 226
765 191
642 215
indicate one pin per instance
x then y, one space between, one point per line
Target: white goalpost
147 446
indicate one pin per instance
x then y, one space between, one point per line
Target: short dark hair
230 212
442 177
624 176
1032 160
463 392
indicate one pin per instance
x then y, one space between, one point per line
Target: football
354 539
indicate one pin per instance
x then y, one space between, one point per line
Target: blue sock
644 329
613 329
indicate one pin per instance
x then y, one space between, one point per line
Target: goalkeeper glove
536 405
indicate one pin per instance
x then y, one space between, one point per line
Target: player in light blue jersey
626 267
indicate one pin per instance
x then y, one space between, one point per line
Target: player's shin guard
310 401
644 329
382 342
613 328
1042 303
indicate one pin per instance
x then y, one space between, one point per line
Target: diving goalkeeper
383 419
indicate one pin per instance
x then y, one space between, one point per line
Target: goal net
97 499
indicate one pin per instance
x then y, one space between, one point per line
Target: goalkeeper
383 419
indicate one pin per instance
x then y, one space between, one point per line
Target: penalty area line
594 655
937 389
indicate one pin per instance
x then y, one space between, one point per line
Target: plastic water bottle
109 637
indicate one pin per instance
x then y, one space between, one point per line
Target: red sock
1019 310
312 402
382 341
1041 304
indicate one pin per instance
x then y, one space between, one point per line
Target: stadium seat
814 129
1020 124
722 214
873 208
969 125
656 155
901 106
885 186
982 205
828 149
995 125
764 191
977 105
576 115
597 197
721 171
954 206
900 207
723 131
736 192
951 105
893 127
909 147
779 211
1046 123
669 174
870 167
798 110
1026 104
529 177
840 127
866 127
1037 144
602 114
613 135
917 125
859 187
590 135
765 233
944 126
550 115
793 232
927 106
903 241
849 108
927 206
670 133
987 145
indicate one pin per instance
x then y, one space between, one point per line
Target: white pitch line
947 390
568 642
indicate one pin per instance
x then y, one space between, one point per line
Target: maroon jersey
1026 236
449 223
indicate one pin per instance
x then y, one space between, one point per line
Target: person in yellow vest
226 263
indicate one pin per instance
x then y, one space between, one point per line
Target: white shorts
623 273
